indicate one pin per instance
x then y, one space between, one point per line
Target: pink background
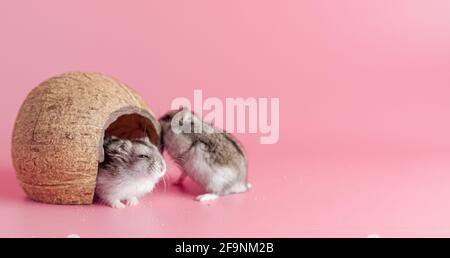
365 111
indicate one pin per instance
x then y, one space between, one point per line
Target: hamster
131 169
212 158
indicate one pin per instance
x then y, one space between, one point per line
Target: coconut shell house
57 141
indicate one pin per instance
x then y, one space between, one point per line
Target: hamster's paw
207 197
132 201
117 205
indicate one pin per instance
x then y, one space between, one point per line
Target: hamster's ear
125 146
145 139
166 118
119 148
108 140
188 116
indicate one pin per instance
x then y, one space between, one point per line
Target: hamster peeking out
212 158
131 169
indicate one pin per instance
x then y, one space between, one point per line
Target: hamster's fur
212 158
131 169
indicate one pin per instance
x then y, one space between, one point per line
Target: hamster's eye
180 123
143 156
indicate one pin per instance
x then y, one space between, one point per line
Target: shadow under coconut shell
10 189
9 186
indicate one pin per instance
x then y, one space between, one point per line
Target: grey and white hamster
212 158
131 170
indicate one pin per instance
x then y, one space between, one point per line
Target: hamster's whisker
165 184
169 179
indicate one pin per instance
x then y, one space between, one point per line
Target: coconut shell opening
131 124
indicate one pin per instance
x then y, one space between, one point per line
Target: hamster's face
147 159
178 128
137 157
181 122
166 120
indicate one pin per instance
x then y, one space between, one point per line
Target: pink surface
364 92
